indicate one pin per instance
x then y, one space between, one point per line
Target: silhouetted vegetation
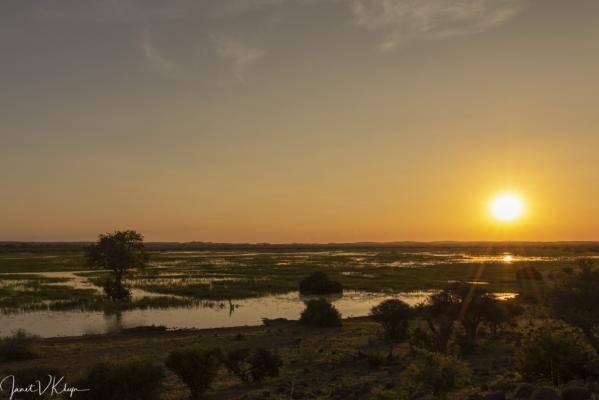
320 313
130 380
118 252
435 374
501 313
557 355
253 366
515 340
529 274
19 346
394 316
469 305
575 300
196 367
319 283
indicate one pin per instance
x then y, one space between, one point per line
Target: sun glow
507 207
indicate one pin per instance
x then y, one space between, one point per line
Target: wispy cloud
157 59
239 54
406 20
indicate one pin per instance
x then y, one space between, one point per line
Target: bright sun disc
507 207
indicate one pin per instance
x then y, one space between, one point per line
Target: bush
393 315
131 380
529 274
196 367
574 299
27 376
376 360
19 346
435 374
253 366
557 355
319 283
320 313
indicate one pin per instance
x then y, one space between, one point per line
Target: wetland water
173 271
207 315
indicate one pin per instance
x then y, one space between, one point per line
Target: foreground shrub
131 380
574 300
557 355
19 346
394 316
319 283
196 367
435 374
253 366
28 376
320 313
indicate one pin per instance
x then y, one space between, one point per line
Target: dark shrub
393 315
574 299
435 374
568 270
467 304
523 391
544 393
502 312
320 313
253 366
196 367
529 274
28 376
236 363
131 380
576 393
319 283
557 355
264 364
19 346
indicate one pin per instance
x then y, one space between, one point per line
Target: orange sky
298 121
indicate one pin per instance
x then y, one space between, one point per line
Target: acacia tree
394 316
475 306
118 252
501 312
467 304
438 313
575 299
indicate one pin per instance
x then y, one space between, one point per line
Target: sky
298 120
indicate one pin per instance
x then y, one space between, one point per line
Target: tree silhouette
468 304
394 316
118 252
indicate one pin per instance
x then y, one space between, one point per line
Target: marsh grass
19 346
236 275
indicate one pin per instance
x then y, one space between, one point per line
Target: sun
507 207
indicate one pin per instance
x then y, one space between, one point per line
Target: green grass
240 275
42 262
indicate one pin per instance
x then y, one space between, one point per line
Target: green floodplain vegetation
229 274
345 362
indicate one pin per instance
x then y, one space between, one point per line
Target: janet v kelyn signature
53 386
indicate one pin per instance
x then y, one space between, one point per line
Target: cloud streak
239 54
157 59
403 21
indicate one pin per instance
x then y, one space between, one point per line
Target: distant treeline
528 248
